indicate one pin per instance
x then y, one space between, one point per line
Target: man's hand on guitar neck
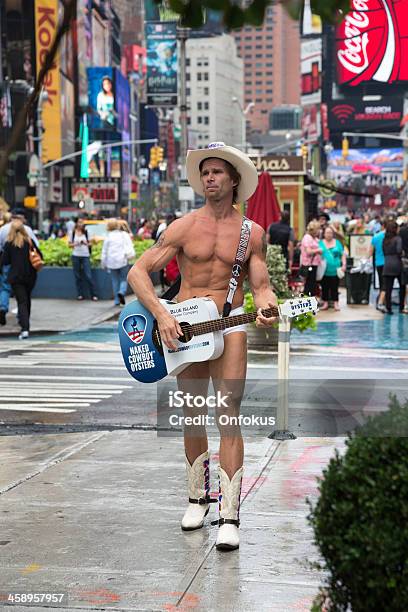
262 321
169 329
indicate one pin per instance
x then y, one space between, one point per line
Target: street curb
108 316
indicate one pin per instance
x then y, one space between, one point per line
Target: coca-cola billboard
372 43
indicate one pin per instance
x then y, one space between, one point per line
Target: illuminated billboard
372 43
162 66
383 115
102 97
365 162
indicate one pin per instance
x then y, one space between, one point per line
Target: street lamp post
244 113
41 180
182 36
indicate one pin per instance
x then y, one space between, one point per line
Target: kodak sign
46 21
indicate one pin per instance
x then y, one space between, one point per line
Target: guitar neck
207 327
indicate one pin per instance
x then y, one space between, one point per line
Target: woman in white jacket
116 252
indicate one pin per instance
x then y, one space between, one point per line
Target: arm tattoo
264 244
159 242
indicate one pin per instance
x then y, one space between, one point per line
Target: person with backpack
81 260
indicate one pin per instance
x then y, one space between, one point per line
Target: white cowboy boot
229 501
198 478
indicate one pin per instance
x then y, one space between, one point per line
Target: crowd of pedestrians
319 258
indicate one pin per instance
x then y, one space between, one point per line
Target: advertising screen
355 114
376 162
161 45
67 116
372 43
102 97
45 30
311 71
122 102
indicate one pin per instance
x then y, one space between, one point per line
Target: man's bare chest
210 245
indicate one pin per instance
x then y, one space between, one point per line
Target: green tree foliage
235 16
360 520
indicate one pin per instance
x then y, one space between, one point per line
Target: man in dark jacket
282 234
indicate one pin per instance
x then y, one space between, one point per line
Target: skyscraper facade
214 78
271 55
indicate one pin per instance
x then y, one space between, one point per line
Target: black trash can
358 287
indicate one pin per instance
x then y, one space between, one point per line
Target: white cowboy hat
240 161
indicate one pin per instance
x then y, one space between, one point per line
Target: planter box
262 338
59 283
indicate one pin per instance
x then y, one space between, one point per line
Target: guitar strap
238 263
173 290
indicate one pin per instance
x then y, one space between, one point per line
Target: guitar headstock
298 306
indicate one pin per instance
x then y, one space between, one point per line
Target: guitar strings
205 327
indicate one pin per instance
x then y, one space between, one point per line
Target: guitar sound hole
187 332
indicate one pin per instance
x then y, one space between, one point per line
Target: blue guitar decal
135 327
142 358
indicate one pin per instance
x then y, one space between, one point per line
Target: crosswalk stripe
69 386
30 408
52 393
66 366
60 400
27 376
328 368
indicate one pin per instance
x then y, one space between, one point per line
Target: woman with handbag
117 250
310 257
24 259
334 256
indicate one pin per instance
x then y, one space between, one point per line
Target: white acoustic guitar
148 360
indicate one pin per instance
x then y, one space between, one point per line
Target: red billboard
372 43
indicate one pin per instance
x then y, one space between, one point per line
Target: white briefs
238 328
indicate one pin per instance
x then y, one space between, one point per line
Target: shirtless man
205 243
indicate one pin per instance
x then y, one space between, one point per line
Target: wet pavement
98 518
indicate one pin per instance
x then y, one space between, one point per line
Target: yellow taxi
97 229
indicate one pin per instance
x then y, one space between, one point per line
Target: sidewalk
49 315
349 312
98 516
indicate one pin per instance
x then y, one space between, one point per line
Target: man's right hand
169 329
